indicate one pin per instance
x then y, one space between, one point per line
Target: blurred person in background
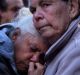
9 10
23 13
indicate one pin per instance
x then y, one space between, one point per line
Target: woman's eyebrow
46 1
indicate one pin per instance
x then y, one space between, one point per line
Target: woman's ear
15 33
74 8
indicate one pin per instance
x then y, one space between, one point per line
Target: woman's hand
35 69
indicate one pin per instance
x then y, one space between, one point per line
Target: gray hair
26 25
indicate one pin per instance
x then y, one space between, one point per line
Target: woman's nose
38 15
35 58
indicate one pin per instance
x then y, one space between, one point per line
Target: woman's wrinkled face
28 48
51 17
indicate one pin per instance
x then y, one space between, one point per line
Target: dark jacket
6 67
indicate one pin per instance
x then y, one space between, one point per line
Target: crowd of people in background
39 37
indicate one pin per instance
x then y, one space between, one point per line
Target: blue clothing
6 45
7 64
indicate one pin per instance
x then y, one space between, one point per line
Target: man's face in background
11 12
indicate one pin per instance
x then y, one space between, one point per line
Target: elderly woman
29 48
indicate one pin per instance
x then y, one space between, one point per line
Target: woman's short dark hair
3 5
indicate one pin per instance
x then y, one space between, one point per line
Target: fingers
31 69
31 66
37 71
39 66
40 69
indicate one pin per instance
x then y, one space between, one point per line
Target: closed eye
34 48
44 4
